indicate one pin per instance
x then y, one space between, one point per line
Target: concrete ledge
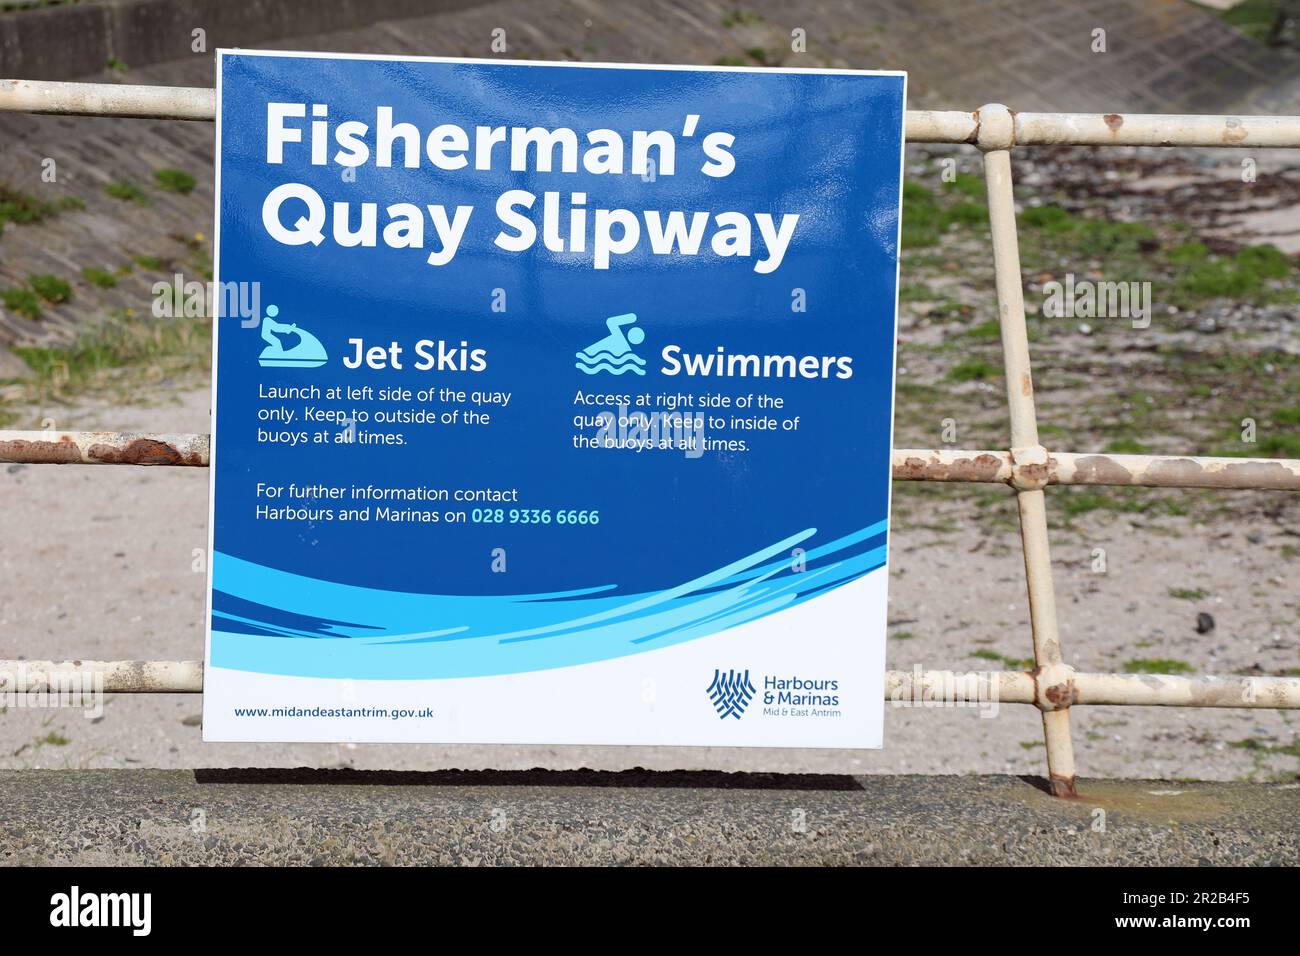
65 42
222 817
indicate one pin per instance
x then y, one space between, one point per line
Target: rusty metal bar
103 448
909 464
1174 471
994 138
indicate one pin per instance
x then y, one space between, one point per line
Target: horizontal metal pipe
1073 468
903 688
917 688
109 677
1150 690
103 448
1162 690
940 126
947 464
909 464
108 99
1174 471
922 126
1155 129
197 103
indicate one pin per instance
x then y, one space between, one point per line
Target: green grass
968 185
1250 743
1087 236
50 288
1076 501
152 263
1258 19
1245 275
916 292
974 370
23 302
174 180
1189 253
989 331
1271 444
1182 273
100 277
179 345
1224 385
1188 594
928 215
1014 663
127 192
24 208
739 17
1157 665
1125 446
968 213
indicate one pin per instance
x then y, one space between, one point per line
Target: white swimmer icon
614 353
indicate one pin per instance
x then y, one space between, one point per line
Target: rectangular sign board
552 402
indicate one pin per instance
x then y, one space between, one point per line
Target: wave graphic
626 357
607 367
273 622
607 361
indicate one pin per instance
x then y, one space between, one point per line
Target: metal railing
1053 686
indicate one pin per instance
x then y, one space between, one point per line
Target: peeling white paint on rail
119 677
108 99
1155 129
1006 687
1086 468
923 126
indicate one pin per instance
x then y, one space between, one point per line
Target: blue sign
562 410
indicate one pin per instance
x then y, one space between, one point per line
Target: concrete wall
70 41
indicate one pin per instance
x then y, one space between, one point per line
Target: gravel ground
152 817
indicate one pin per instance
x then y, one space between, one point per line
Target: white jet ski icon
307 353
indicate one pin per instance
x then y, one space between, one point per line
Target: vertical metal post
995 134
